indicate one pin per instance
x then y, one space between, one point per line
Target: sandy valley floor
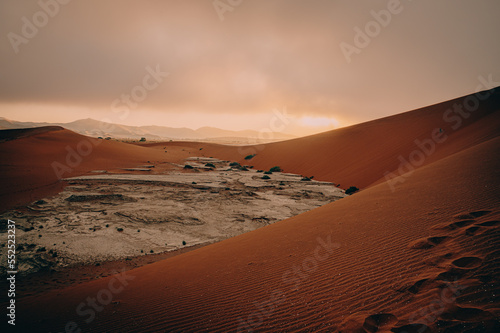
113 216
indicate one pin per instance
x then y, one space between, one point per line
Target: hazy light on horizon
231 74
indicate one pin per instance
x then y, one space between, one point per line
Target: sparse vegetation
234 164
184 243
275 169
268 173
260 170
266 177
210 165
187 166
119 229
143 140
306 179
249 157
351 190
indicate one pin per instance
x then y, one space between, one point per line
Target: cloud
265 54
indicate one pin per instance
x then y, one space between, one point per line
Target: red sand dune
32 160
419 256
359 155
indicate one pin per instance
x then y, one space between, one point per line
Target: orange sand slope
359 155
33 160
417 254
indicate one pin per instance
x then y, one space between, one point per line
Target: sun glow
318 121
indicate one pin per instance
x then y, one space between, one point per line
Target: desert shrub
351 190
184 243
249 157
234 164
151 251
266 177
275 169
210 165
268 173
119 229
260 170
143 140
187 166
306 179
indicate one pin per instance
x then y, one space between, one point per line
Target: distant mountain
96 128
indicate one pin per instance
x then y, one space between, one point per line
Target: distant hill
96 128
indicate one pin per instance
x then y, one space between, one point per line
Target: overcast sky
231 66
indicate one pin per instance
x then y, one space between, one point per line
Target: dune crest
418 256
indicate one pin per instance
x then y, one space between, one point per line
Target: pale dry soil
107 216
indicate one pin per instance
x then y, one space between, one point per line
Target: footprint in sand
466 314
417 286
428 242
481 227
472 230
379 322
453 225
412 328
459 268
488 223
472 215
467 262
